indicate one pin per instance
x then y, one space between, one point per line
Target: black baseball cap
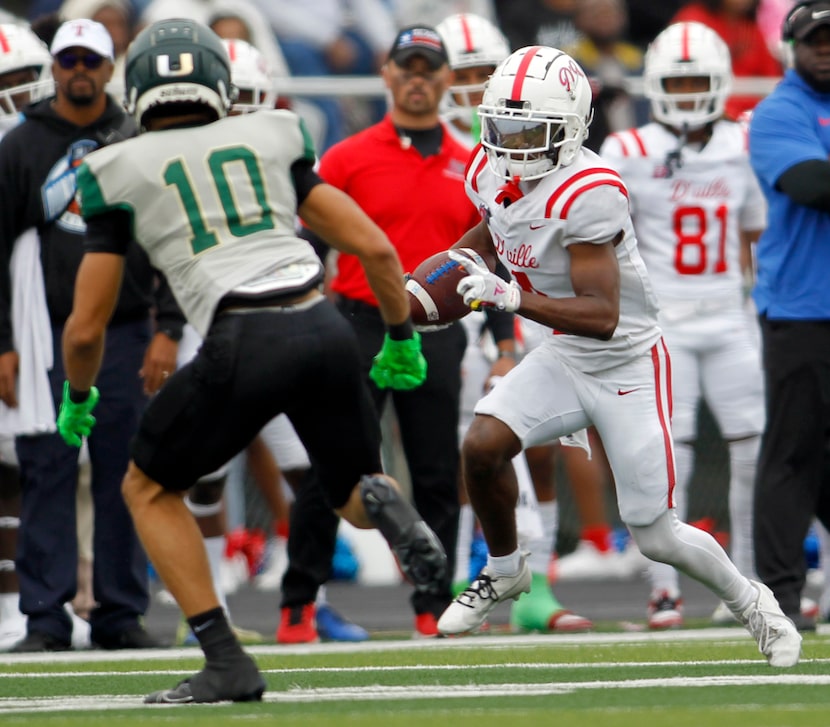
805 19
419 40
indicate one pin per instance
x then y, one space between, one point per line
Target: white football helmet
471 41
535 113
687 49
250 73
20 50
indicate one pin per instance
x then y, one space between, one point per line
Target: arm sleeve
109 232
11 202
777 146
304 178
500 324
808 183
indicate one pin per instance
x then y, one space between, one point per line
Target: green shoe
540 611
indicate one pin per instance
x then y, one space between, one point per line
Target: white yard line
409 668
724 635
101 703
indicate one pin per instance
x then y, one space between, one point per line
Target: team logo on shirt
58 191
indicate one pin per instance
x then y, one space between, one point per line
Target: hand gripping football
432 288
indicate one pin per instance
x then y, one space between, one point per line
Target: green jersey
214 206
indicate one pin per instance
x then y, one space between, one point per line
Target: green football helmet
177 61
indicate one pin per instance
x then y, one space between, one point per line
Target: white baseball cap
83 33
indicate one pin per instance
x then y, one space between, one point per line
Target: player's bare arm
96 293
334 216
594 311
9 363
479 239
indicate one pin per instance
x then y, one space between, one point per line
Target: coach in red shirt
407 173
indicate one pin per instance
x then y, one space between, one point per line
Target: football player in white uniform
696 205
557 216
475 47
25 76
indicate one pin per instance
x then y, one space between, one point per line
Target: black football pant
428 421
793 481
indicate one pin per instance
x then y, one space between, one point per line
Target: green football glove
399 365
75 420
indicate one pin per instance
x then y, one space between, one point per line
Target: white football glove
483 289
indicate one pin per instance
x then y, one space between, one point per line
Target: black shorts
251 367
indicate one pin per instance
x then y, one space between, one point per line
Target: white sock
505 565
9 606
743 462
542 548
463 544
215 547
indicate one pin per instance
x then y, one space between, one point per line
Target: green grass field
691 678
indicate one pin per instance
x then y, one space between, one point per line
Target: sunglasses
68 61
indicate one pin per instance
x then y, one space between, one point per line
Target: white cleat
271 578
588 563
470 608
777 637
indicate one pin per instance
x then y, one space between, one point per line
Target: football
432 296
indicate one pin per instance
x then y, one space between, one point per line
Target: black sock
214 634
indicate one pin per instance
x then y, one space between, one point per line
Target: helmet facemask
535 113
26 58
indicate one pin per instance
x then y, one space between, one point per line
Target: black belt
232 302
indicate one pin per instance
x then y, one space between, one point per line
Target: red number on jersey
690 255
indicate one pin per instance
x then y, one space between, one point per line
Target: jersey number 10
177 174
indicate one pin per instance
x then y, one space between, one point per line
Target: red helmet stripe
521 74
686 56
468 35
4 42
232 51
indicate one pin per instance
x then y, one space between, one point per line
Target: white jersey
585 202
214 214
688 211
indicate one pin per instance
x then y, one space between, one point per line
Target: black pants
47 550
793 481
428 420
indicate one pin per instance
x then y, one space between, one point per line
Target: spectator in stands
608 59
332 37
537 22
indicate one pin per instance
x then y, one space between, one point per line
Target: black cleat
234 681
36 641
418 550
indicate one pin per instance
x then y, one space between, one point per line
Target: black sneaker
132 638
38 641
418 550
234 681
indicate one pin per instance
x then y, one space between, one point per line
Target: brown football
432 288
